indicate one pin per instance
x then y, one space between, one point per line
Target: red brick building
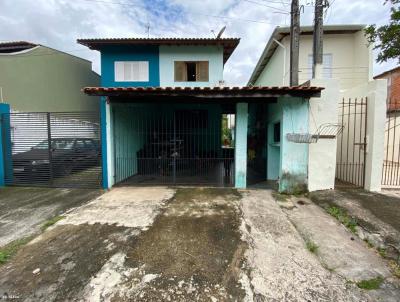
393 77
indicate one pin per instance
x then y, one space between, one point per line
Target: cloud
58 23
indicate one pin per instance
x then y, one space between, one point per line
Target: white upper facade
347 57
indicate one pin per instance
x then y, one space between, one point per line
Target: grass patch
311 246
341 215
369 243
51 222
280 197
370 284
9 250
382 252
395 268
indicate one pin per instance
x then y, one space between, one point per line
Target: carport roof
207 92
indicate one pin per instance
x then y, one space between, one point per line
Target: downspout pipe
284 59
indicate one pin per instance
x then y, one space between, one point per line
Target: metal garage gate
172 146
52 149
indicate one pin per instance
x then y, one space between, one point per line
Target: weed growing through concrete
280 197
51 222
382 252
341 215
370 284
369 243
395 268
9 250
311 246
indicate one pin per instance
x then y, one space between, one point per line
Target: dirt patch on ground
194 249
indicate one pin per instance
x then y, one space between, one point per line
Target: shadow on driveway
24 209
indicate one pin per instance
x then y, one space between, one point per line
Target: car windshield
63 144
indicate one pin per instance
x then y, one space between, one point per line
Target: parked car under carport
65 156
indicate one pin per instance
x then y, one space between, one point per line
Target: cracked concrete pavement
192 244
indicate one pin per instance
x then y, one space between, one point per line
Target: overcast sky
58 23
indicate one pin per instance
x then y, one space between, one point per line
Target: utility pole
318 39
294 43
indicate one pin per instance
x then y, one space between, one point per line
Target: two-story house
347 57
167 117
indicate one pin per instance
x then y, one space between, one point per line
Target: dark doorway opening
256 144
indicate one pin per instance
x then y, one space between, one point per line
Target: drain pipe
284 60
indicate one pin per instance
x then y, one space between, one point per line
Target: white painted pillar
322 155
376 121
241 145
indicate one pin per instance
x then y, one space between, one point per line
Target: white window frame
326 70
131 71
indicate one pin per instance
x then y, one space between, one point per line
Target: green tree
387 37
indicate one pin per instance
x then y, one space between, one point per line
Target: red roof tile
256 91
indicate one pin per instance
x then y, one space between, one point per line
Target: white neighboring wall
322 155
376 123
351 60
376 93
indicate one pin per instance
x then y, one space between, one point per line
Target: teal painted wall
241 145
293 156
5 144
169 54
288 161
111 54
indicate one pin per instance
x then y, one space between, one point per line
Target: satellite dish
221 32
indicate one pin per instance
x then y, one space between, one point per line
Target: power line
262 4
190 13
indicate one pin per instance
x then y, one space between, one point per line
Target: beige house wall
44 79
351 63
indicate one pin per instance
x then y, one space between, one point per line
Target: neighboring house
167 117
392 131
346 57
393 87
36 78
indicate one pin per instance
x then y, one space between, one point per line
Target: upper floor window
131 71
191 71
326 66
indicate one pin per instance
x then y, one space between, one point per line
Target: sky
58 23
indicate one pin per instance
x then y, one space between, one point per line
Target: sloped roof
14 46
280 32
229 44
385 73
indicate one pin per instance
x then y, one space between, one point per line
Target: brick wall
393 78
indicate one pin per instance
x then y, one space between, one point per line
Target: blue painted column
104 141
5 143
241 145
294 156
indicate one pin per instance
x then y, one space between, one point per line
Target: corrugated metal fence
52 149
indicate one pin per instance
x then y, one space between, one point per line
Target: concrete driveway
195 244
23 210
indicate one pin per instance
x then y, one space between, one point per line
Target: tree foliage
387 37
